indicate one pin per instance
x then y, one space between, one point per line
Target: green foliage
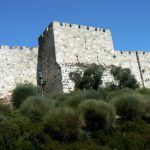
91 78
11 130
76 97
97 114
5 111
21 92
131 135
36 107
63 124
91 94
124 77
112 94
35 139
143 91
86 145
129 106
5 108
73 99
79 121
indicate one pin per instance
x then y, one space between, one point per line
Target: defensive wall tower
63 48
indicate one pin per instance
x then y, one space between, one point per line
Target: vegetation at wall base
21 92
91 78
101 119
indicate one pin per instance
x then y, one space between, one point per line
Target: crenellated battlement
73 26
76 26
132 52
61 47
5 47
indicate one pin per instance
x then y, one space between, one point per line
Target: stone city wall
76 44
17 65
63 48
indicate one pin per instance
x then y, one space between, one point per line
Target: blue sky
22 21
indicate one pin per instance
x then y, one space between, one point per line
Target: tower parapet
63 47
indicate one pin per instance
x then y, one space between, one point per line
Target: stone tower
63 46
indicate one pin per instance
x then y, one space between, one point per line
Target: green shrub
124 141
86 145
35 139
143 91
112 94
21 92
97 114
59 97
130 135
146 115
36 107
124 77
5 108
74 98
63 124
11 130
5 111
91 94
129 106
91 78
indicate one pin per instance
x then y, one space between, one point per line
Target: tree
89 79
124 77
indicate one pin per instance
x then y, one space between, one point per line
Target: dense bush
97 114
112 94
5 108
35 139
63 124
5 111
86 145
11 130
91 78
73 99
36 107
21 92
143 91
124 77
129 106
91 94
146 115
79 121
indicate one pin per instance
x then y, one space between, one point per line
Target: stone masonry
63 48
17 65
